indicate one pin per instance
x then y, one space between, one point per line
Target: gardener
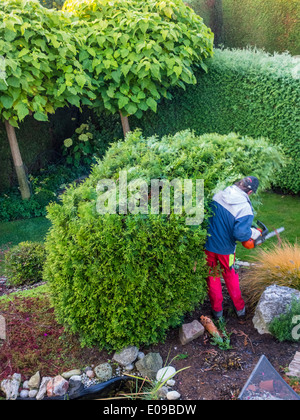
231 221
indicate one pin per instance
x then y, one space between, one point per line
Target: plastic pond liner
104 390
265 383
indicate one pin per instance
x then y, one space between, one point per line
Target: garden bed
213 374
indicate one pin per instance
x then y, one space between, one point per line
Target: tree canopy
39 50
138 50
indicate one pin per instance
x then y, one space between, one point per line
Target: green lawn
276 211
12 233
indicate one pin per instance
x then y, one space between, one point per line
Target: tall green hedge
270 24
245 91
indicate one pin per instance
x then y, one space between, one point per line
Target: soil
213 374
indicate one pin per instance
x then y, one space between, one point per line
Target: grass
12 233
18 231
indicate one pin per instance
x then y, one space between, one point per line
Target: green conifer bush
124 279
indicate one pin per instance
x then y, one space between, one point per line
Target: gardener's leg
214 284
232 282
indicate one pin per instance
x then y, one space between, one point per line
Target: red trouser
231 279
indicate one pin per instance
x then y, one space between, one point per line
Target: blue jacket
231 220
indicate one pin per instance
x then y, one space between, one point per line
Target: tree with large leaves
41 72
137 50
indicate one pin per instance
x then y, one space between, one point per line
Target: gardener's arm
242 228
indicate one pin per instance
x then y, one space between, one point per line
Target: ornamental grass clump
123 278
279 265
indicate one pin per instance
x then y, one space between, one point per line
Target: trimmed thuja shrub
123 279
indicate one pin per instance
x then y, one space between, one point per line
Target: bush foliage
286 326
24 263
125 279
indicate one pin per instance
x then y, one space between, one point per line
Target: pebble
173 395
32 393
165 373
129 368
25 385
74 380
70 373
24 393
90 374
171 382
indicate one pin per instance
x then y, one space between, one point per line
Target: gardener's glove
255 234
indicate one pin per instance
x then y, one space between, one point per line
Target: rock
90 374
103 372
173 395
191 331
149 365
25 385
24 393
34 381
140 355
171 382
32 393
126 356
43 387
57 386
162 392
75 385
294 367
10 387
70 373
273 302
128 368
165 373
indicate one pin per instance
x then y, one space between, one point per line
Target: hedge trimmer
265 235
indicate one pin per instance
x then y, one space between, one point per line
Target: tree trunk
216 21
17 159
125 124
